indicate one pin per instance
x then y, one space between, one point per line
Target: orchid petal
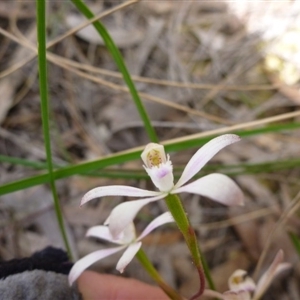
102 232
204 154
125 212
275 268
216 186
88 260
116 190
160 220
127 256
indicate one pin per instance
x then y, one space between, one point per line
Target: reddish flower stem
176 208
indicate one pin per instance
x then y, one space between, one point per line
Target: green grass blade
138 174
130 155
43 84
117 56
24 183
23 162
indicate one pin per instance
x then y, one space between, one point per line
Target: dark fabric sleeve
41 276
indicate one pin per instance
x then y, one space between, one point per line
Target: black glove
43 276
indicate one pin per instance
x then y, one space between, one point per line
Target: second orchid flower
126 240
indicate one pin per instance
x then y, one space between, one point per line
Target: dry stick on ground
214 91
60 62
239 219
146 96
78 120
24 144
30 36
227 129
143 95
58 39
231 128
17 65
149 80
26 43
136 78
177 84
246 125
90 21
114 74
183 108
5 33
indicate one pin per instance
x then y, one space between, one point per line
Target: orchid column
217 187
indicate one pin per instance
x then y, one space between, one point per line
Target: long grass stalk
43 84
129 155
139 174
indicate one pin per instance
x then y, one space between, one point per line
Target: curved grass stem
43 84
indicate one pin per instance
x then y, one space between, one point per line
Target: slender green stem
176 208
43 83
117 56
206 271
146 263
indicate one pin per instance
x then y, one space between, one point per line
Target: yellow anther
154 157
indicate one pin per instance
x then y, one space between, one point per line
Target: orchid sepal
204 154
83 263
217 187
125 212
116 190
127 256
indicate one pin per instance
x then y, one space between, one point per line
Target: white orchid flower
126 239
242 287
218 187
